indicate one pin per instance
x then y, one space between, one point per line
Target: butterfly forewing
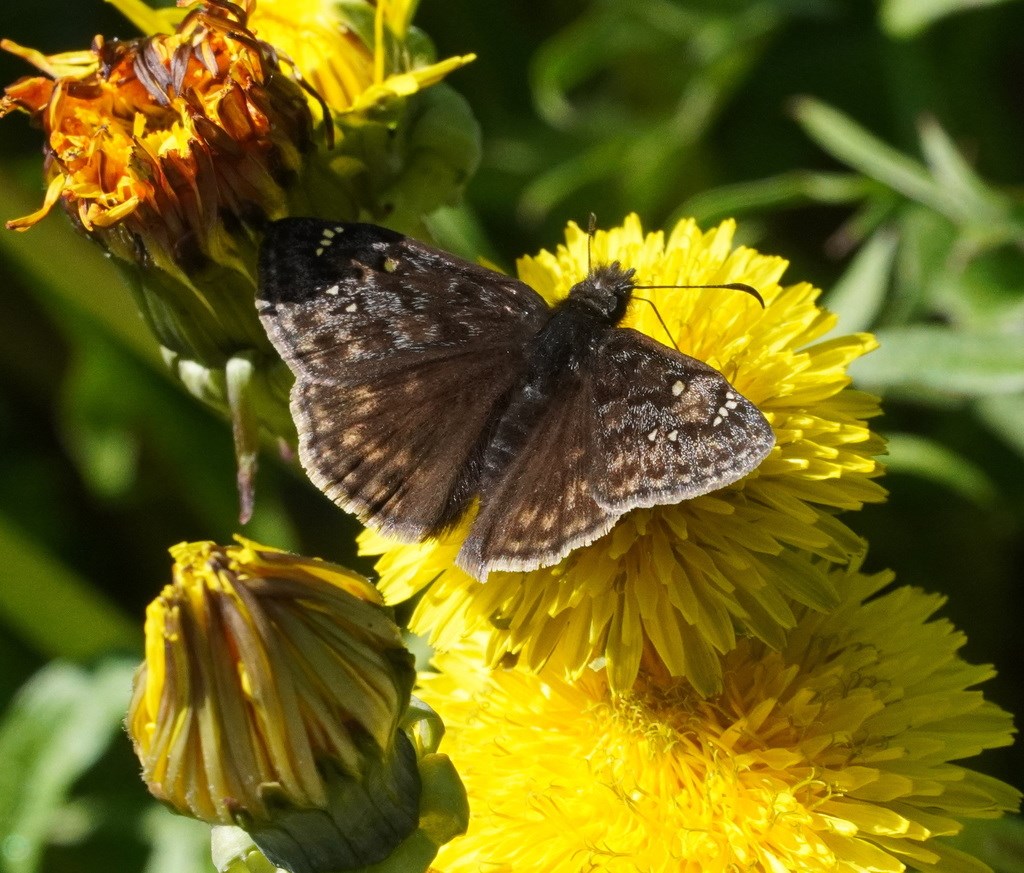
670 427
342 302
400 366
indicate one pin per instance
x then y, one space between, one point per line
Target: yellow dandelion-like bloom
353 71
832 754
271 697
674 582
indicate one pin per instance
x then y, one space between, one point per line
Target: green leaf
859 294
951 171
786 189
984 292
907 18
922 263
846 140
58 725
943 362
54 609
1004 415
914 455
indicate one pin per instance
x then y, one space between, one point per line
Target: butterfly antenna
729 286
661 321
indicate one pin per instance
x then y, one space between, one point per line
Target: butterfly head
607 290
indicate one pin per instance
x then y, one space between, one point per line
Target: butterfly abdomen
555 361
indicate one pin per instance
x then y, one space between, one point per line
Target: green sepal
366 819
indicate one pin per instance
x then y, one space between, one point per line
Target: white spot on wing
717 421
673 435
731 404
328 233
319 252
332 290
351 307
678 388
653 435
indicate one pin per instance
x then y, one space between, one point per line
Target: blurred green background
878 146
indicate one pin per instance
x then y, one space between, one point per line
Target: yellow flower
832 754
354 67
671 583
271 698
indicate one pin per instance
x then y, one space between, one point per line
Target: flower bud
271 699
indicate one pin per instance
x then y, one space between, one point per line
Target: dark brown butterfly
424 381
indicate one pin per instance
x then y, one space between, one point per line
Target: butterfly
424 382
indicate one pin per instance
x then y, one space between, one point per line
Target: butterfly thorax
566 339
576 325
556 359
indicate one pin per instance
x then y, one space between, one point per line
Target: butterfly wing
537 505
670 427
403 357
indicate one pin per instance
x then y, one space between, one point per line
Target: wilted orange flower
152 142
358 55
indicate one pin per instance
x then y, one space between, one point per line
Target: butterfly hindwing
539 505
402 355
382 450
670 427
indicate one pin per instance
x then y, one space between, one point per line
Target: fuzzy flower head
832 754
674 582
271 698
